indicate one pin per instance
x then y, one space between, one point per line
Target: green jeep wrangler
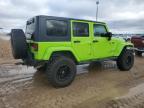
56 45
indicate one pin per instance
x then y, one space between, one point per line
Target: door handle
95 41
76 41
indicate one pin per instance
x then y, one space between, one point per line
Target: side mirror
109 35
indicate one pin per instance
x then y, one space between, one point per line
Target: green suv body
56 45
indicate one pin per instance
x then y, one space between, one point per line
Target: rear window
56 28
80 29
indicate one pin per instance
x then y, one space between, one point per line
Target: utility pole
97 9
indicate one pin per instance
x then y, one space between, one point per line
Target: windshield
30 27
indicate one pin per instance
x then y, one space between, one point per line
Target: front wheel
61 71
126 60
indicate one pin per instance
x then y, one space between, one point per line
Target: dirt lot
99 85
5 49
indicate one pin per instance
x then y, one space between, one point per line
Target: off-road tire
18 44
126 60
53 71
138 53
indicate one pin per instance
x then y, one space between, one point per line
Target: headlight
143 41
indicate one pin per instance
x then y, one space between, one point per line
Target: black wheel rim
63 73
129 60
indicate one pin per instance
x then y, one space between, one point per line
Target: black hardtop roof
65 18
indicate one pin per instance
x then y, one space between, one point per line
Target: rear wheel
61 71
126 60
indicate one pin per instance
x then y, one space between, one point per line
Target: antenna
97 3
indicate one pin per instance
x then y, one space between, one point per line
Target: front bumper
139 49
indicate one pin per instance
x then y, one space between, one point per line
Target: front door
81 39
102 47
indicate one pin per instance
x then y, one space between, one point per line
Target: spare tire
19 44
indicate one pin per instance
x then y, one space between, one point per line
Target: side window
99 29
80 29
56 28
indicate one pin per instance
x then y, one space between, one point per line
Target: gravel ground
98 85
134 99
5 49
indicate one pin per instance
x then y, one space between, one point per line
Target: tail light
34 46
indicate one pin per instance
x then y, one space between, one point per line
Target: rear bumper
29 61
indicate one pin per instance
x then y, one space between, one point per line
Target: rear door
81 39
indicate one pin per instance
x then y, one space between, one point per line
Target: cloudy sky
122 16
